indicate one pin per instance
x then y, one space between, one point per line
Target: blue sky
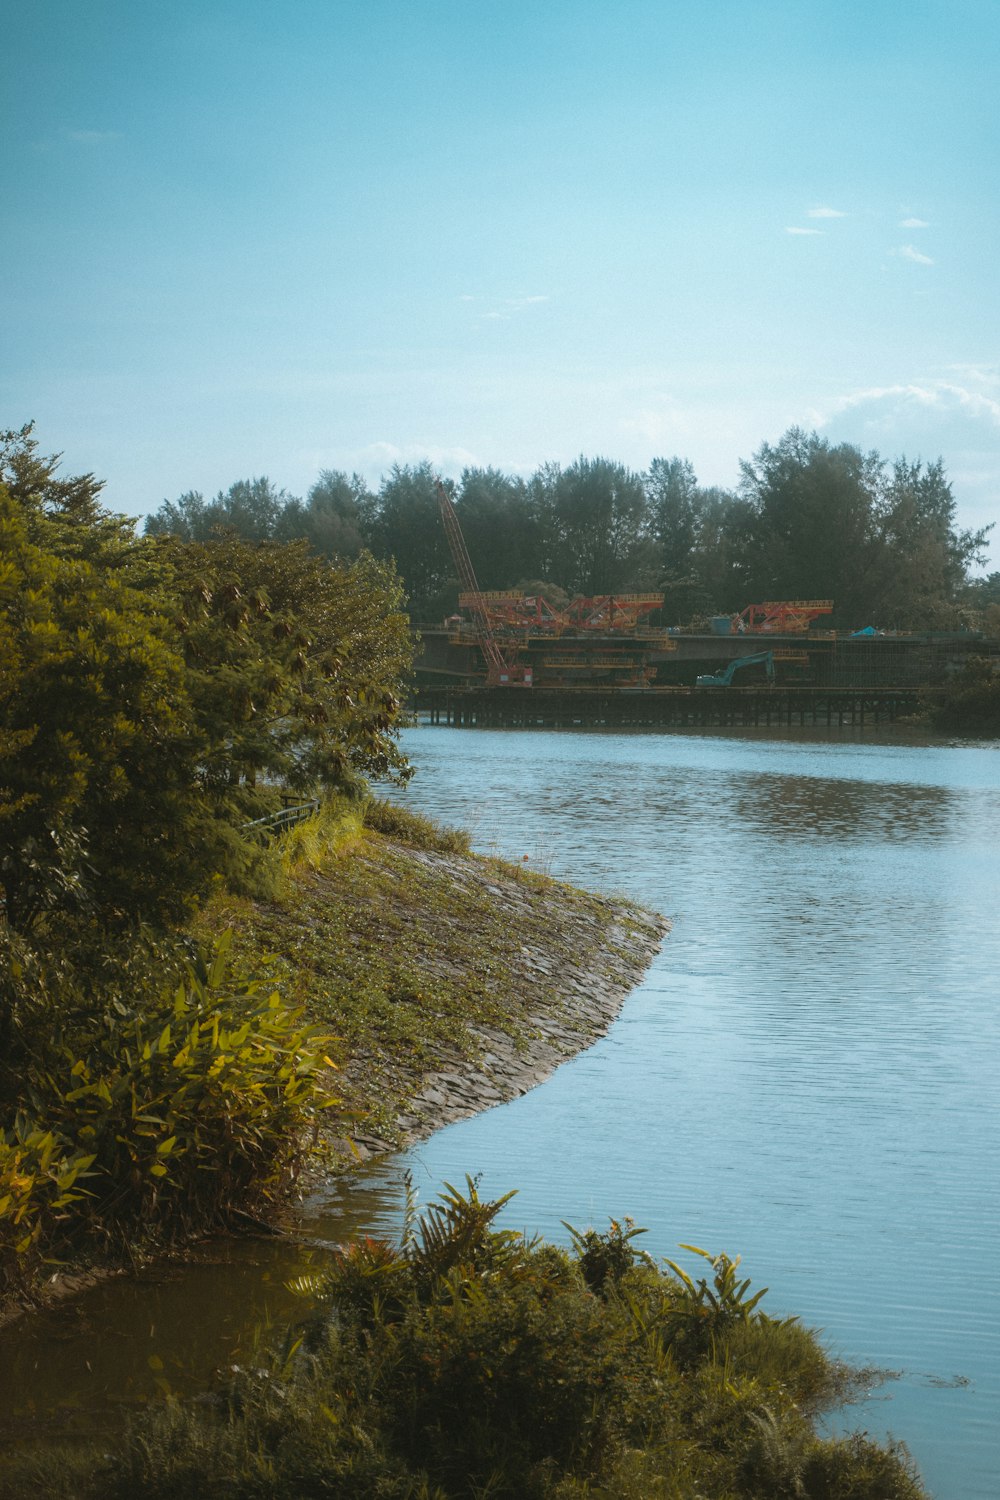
246 238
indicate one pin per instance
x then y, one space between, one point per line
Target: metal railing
279 822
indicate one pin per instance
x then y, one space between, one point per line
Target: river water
807 1077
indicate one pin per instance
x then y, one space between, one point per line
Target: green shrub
177 1111
605 1258
39 1177
857 1468
467 1362
970 702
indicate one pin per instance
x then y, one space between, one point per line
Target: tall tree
719 558
674 501
252 508
925 559
500 526
601 521
814 522
332 519
407 527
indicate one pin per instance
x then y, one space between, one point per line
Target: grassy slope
407 946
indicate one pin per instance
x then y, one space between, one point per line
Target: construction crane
788 616
502 668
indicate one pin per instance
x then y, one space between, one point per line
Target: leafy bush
970 703
39 1174
169 1116
604 1258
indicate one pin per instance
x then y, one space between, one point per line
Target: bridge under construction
515 659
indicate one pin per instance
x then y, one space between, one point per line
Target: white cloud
977 374
515 304
925 419
908 252
465 297
789 229
914 224
825 213
663 420
940 395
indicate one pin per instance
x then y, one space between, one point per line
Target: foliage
468 1362
598 514
294 666
329 520
332 518
99 751
41 1178
605 1258
154 1120
809 519
406 526
252 508
970 703
156 696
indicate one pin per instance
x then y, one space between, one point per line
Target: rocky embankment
572 965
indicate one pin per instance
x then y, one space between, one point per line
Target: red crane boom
499 671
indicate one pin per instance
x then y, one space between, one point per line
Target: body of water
809 1075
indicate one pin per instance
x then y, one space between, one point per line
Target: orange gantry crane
787 616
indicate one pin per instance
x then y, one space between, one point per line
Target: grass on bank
152 1092
389 933
468 1362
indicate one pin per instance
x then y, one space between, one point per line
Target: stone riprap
577 978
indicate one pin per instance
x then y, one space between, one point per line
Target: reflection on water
781 808
807 1077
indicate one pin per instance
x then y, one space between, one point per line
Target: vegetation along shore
226 967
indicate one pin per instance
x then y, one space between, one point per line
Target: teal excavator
725 677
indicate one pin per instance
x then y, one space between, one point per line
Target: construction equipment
502 667
725 677
788 616
507 625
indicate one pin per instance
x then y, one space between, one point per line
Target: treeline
808 519
158 699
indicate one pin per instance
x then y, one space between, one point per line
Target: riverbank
394 981
463 1357
453 981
